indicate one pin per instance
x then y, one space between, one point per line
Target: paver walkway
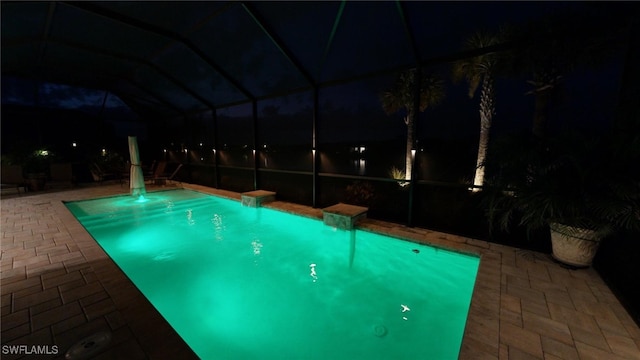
58 286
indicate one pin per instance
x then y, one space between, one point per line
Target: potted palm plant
582 188
36 168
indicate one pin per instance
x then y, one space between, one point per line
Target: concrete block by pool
257 198
343 216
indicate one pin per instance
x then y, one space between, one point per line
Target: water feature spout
136 176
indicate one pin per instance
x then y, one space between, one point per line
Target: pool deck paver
57 286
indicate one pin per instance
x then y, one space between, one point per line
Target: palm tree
402 97
548 56
553 47
479 72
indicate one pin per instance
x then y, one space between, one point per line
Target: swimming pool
255 283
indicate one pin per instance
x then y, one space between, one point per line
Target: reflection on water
352 247
360 165
218 226
313 273
257 246
190 219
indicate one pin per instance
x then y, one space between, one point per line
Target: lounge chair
149 170
174 173
158 172
160 178
99 175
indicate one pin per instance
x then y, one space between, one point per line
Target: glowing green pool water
254 283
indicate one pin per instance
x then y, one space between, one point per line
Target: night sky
369 37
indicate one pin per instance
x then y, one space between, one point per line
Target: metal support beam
416 112
141 61
254 108
314 146
216 156
409 31
189 142
115 16
152 94
334 29
47 30
261 22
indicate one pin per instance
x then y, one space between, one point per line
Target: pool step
149 211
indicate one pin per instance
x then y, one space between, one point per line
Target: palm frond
401 95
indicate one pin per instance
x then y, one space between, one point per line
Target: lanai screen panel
305 27
162 14
117 44
235 136
88 62
286 120
202 138
115 108
21 59
355 135
439 31
168 88
71 97
190 69
78 66
22 28
141 100
370 37
23 20
239 45
88 29
285 132
18 91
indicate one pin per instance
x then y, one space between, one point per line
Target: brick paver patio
58 287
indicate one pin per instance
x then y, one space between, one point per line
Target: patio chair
149 170
174 173
162 179
99 175
158 172
11 178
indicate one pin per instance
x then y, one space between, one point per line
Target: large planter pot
573 246
36 181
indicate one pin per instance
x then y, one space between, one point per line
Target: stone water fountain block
257 198
343 216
